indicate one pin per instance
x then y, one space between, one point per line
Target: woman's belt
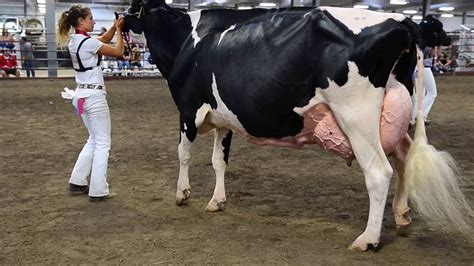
91 86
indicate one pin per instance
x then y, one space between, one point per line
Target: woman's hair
70 19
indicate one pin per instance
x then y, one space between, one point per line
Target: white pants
93 158
430 94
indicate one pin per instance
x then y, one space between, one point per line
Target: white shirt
89 57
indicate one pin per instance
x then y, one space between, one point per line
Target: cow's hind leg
377 172
220 158
357 107
184 152
400 201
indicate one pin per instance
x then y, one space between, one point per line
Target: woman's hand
119 23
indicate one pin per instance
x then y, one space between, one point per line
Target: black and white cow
337 77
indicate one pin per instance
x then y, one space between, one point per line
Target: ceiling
459 5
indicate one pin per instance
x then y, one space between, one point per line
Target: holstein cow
337 77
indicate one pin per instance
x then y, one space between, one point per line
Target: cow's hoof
214 206
403 223
182 198
364 246
402 229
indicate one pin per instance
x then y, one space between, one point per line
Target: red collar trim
82 32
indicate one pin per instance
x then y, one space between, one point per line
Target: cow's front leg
184 151
400 201
220 158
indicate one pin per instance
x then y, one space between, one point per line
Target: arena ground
283 206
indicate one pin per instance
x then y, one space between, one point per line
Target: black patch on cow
226 144
271 62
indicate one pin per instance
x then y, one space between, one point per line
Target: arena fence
461 52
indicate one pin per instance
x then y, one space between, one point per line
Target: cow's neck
165 40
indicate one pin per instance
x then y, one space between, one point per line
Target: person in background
7 41
430 86
8 63
89 98
27 56
103 30
136 56
123 63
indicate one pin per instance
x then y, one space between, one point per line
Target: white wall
454 23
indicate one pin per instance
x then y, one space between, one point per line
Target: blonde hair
70 19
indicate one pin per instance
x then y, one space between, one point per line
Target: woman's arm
108 35
116 51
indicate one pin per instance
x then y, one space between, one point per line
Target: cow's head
138 10
432 32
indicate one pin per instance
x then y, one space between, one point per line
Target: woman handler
89 98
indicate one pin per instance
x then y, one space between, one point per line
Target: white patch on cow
356 88
358 19
195 16
222 116
224 32
201 114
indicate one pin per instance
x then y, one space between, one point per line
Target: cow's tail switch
432 178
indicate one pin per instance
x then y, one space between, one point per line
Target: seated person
136 56
8 64
443 63
124 61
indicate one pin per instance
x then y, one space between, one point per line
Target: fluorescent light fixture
244 7
417 17
464 27
361 6
41 5
447 15
42 10
410 11
169 1
398 2
41 1
267 5
446 8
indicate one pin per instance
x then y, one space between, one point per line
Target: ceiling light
267 5
41 1
446 8
410 11
42 10
361 6
244 7
169 1
417 17
398 2
464 27
41 5
447 15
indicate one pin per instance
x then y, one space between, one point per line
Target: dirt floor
284 206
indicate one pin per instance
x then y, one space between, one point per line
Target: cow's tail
432 177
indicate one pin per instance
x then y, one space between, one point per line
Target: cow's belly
320 126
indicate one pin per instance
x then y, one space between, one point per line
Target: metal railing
111 66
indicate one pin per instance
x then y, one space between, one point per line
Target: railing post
50 20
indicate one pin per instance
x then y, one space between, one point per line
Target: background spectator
27 57
136 56
7 40
8 63
103 30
